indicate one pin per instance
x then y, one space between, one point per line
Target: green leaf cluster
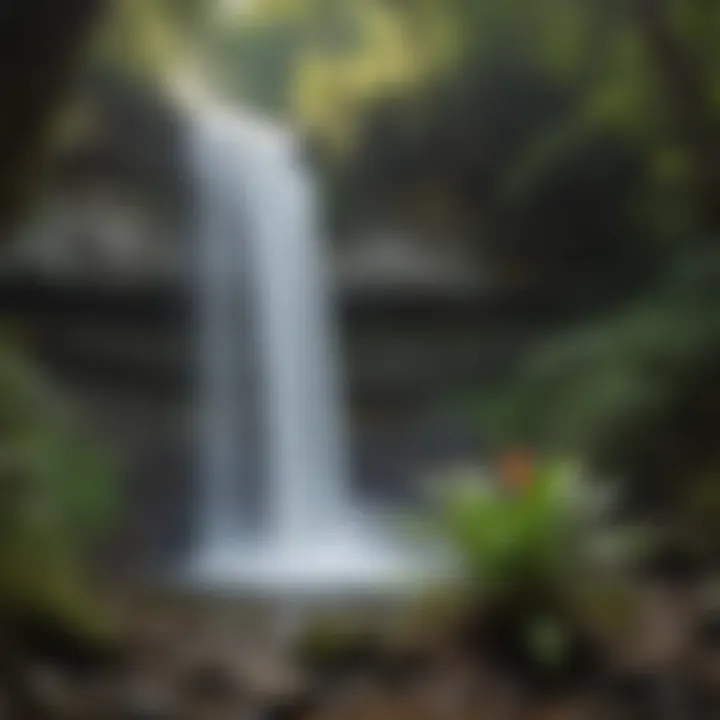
56 493
541 541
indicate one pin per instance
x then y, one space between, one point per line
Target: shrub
540 536
543 562
55 492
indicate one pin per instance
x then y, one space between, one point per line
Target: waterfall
268 359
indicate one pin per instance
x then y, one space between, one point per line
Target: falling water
264 314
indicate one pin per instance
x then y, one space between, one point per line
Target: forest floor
191 657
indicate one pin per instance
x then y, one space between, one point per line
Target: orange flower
515 470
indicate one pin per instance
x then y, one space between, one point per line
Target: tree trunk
40 44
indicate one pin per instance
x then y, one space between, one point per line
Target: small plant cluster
544 561
55 493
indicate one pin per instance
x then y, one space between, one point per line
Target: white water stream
269 360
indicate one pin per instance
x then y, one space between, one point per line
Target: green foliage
158 39
542 540
544 567
55 493
633 392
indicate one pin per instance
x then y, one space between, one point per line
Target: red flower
515 470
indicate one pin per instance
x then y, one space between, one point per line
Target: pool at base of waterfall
332 563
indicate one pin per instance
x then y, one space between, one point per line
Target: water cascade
268 359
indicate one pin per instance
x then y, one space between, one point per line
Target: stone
213 692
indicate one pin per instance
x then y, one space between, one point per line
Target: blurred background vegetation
574 143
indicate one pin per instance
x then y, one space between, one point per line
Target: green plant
542 561
539 537
55 493
632 391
